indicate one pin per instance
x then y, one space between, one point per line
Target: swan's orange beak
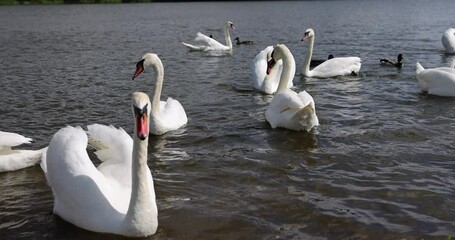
142 126
139 70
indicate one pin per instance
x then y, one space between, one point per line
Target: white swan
287 108
205 43
12 160
117 197
165 116
339 66
267 79
436 81
448 40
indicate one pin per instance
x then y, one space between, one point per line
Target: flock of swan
118 195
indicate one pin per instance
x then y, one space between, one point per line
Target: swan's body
205 43
268 83
165 116
436 81
116 197
288 109
388 62
339 66
448 40
12 160
238 42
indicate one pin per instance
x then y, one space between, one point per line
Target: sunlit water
380 166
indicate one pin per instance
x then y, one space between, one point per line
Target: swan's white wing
172 116
194 47
82 195
448 40
260 67
287 110
209 42
8 139
205 43
268 83
12 160
339 66
438 81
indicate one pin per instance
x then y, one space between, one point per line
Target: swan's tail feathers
43 164
307 117
192 47
419 67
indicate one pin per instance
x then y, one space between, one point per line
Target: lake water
380 166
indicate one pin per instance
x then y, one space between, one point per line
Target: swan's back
205 43
12 160
339 66
437 81
8 139
80 191
292 111
448 40
171 117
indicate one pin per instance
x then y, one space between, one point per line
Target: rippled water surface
380 166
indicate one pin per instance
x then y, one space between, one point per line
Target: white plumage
448 40
206 43
268 83
436 81
339 66
13 159
165 116
287 108
117 196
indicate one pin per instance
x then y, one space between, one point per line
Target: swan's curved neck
159 75
227 36
308 55
288 65
142 211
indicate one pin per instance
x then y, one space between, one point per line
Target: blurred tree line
11 2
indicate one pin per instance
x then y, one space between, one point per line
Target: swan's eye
140 63
138 111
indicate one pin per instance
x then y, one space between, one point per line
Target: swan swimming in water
448 40
205 43
339 66
116 197
436 81
288 109
267 78
12 160
166 116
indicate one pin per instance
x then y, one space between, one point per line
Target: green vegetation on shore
26 2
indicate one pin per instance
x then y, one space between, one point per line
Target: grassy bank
27 2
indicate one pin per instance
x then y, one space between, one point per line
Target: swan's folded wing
338 67
112 144
66 158
260 66
173 113
209 42
8 139
437 81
